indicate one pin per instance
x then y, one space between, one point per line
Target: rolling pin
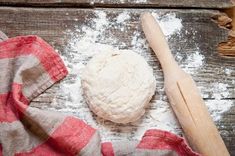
184 96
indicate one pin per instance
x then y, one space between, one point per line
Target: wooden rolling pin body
184 96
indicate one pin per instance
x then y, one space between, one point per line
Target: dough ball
118 85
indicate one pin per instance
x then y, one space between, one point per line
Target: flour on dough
118 85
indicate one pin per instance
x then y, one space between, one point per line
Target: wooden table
52 19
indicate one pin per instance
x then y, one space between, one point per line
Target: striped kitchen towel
28 67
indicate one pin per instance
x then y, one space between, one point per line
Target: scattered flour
138 43
220 90
122 17
228 71
87 40
219 105
193 62
169 23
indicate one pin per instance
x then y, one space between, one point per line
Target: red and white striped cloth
28 67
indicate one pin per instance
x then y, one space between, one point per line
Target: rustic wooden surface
122 3
51 24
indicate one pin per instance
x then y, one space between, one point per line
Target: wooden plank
199 32
169 3
122 3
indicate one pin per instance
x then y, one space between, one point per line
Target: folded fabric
28 67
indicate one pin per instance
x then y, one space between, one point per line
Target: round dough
118 85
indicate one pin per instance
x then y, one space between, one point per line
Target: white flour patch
228 71
220 90
122 17
91 38
193 62
218 107
218 104
169 23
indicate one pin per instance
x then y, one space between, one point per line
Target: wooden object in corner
227 48
184 96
